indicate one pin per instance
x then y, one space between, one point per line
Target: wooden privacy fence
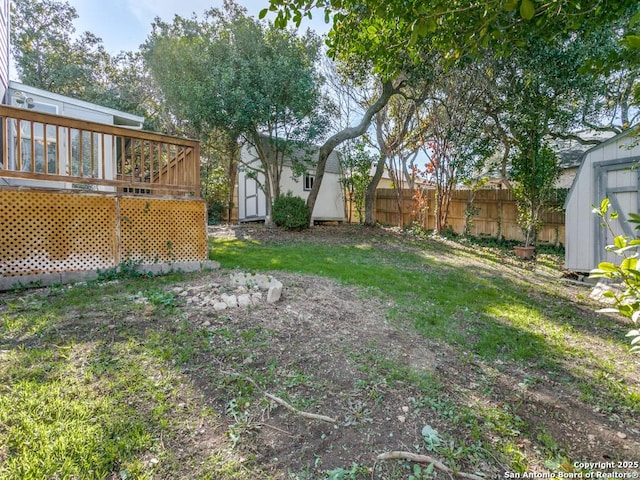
487 222
67 153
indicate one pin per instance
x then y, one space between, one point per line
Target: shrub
290 212
627 271
215 212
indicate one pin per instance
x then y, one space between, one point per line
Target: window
37 140
44 148
308 181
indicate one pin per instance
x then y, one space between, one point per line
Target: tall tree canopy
50 56
46 53
386 32
232 73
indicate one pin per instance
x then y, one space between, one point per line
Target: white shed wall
329 206
584 235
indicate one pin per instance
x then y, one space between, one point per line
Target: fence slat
485 223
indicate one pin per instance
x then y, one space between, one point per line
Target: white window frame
38 139
309 180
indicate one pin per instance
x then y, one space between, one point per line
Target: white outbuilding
252 202
609 170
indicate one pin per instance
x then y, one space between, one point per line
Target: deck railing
50 151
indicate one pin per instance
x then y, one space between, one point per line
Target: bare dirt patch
336 345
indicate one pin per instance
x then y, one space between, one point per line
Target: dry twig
413 457
278 400
288 406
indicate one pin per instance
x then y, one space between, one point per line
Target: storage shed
607 170
330 205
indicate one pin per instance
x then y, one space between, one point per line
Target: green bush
290 212
627 271
215 212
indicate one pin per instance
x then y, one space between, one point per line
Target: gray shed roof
309 153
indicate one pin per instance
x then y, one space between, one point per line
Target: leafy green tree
395 126
46 54
535 171
356 164
234 74
390 37
386 33
534 96
614 66
627 272
454 136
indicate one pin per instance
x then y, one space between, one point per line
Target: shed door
251 198
617 181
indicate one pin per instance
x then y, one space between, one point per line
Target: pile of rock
247 290
258 282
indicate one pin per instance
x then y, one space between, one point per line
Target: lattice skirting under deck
54 232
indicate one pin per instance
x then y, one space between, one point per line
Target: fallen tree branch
277 429
288 406
413 457
279 401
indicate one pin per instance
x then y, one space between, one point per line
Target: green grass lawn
447 298
96 384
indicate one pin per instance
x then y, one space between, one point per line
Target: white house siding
4 47
47 102
606 170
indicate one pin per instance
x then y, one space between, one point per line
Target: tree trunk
234 152
388 89
370 195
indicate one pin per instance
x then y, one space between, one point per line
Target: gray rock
244 300
598 292
274 293
219 306
230 300
256 298
258 282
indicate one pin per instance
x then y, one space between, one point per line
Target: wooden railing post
176 172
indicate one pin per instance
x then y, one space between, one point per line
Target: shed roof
594 148
309 153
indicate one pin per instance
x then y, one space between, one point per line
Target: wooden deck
60 152
79 196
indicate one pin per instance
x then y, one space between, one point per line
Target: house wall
56 104
585 239
4 48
